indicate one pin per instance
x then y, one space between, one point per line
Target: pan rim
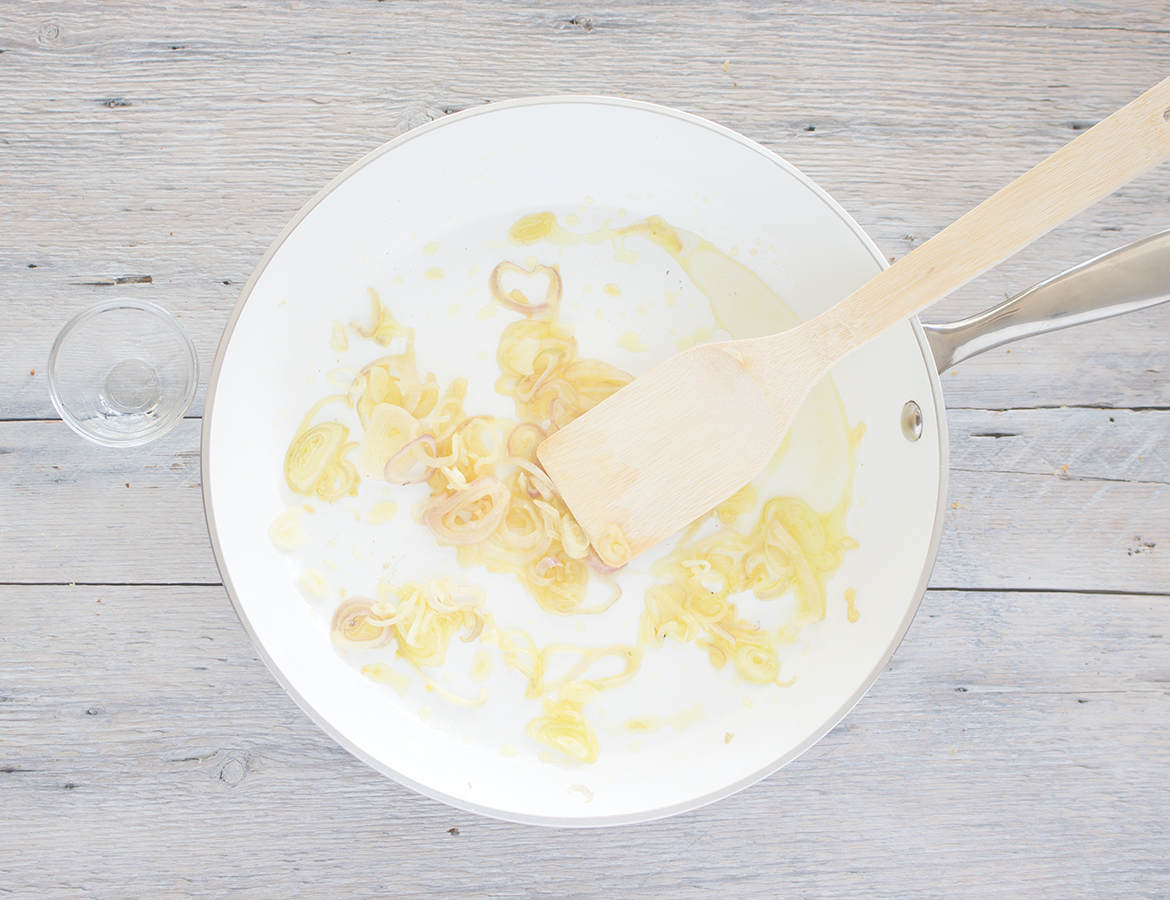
506 815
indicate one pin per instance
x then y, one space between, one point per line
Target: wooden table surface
1017 745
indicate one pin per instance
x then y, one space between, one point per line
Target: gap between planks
933 589
1003 409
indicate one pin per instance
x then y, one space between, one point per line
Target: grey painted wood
1015 748
179 140
1015 519
81 513
1064 499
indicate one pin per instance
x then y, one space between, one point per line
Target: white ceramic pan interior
423 221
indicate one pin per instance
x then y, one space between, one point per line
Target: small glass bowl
122 373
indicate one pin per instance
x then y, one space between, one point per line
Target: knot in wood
235 769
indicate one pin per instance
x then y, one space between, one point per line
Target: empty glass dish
122 373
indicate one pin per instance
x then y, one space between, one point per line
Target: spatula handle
1131 141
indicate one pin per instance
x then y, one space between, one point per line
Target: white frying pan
423 220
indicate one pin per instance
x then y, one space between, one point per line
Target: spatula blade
662 451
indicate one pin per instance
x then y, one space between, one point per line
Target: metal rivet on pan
911 421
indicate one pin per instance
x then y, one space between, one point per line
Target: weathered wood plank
1007 751
73 511
1086 444
1054 499
147 752
1046 533
166 168
1021 520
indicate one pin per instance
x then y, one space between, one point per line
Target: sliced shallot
458 518
420 470
516 299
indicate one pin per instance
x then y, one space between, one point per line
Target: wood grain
1008 751
699 426
1021 521
146 752
195 133
81 513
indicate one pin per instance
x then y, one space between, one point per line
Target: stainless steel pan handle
1124 280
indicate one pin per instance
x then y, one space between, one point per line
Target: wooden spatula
693 430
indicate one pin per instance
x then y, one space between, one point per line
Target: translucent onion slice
468 516
737 504
339 478
423 402
561 589
563 728
491 500
483 445
314 582
521 654
666 616
375 386
594 562
286 532
612 546
384 327
573 538
615 594
309 454
532 228
353 383
441 594
516 299
389 429
339 341
428 616
593 381
756 663
412 464
545 564
524 440
579 692
523 534
628 656
352 627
